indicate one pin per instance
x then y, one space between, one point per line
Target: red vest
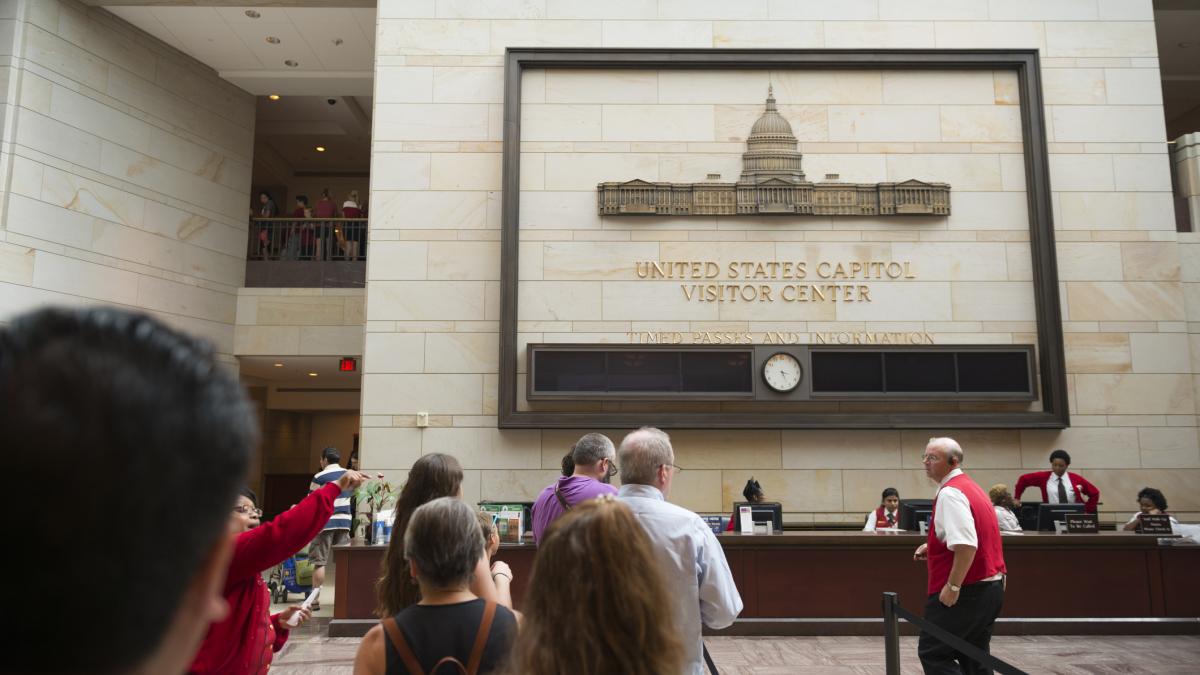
881 518
989 555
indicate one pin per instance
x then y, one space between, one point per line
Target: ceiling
1177 25
333 47
295 371
287 131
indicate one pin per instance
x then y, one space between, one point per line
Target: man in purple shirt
594 468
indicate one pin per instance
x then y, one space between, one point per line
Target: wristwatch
953 587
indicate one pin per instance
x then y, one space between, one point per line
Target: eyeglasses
673 466
247 510
612 468
929 459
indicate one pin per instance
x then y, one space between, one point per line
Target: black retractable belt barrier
712 667
892 612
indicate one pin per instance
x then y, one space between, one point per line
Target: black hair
1154 495
264 193
568 463
249 494
302 199
890 492
753 492
1061 454
145 442
331 455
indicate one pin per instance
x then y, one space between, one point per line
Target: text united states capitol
770 281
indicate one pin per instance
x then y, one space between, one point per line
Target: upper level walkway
306 252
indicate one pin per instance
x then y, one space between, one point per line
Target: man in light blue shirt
692 561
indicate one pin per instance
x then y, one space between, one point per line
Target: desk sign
1160 524
746 518
1083 523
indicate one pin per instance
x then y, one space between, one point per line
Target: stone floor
308 652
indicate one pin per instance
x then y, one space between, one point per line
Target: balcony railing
307 252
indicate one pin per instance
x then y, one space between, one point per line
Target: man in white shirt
692 560
965 563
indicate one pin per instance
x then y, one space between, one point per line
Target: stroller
293 575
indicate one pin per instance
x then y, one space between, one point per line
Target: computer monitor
913 512
1027 514
763 512
1049 513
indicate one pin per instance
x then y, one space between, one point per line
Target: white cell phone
312 597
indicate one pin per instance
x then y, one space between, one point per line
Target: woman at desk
753 493
1060 486
888 513
1002 502
1151 502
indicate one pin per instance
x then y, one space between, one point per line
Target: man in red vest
965 561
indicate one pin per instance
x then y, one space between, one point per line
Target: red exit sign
348 364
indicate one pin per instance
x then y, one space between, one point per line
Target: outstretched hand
351 480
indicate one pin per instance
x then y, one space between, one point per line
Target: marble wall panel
651 301
1134 394
1124 301
425 300
903 301
783 34
1108 38
938 86
1098 353
394 352
1107 124
694 123
462 353
980 124
796 489
482 448
559 300
891 123
841 449
600 86
1160 352
427 210
441 393
989 35
385 448
1169 447
566 260
1074 86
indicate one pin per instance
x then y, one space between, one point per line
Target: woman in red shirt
245 642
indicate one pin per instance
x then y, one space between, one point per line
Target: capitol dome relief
772 181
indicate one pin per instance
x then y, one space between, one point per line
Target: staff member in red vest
965 561
1060 486
887 514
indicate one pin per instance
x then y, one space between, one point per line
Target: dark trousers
971 618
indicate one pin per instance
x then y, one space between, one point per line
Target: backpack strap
561 500
481 638
401 646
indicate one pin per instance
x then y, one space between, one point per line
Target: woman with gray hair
442 545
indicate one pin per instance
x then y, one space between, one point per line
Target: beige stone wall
433 291
299 322
126 172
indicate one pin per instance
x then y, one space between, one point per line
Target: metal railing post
891 635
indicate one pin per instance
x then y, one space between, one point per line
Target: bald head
642 454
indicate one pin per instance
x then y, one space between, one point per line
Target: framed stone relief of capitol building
777 239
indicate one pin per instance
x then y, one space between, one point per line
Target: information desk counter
831 583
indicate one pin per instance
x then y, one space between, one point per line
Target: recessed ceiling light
274 97
1184 45
272 40
252 14
320 148
312 374
278 365
291 64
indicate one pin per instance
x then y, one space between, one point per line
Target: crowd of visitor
151 439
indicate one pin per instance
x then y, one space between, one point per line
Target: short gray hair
949 446
591 449
641 453
445 541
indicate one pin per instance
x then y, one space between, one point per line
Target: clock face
782 372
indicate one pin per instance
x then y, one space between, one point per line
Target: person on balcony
323 210
352 233
295 245
266 209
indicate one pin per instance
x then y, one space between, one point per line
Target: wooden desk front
832 582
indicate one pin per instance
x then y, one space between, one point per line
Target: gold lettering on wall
701 337
734 282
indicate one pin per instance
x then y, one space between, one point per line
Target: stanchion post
891 635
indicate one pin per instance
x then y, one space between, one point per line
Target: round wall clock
782 372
